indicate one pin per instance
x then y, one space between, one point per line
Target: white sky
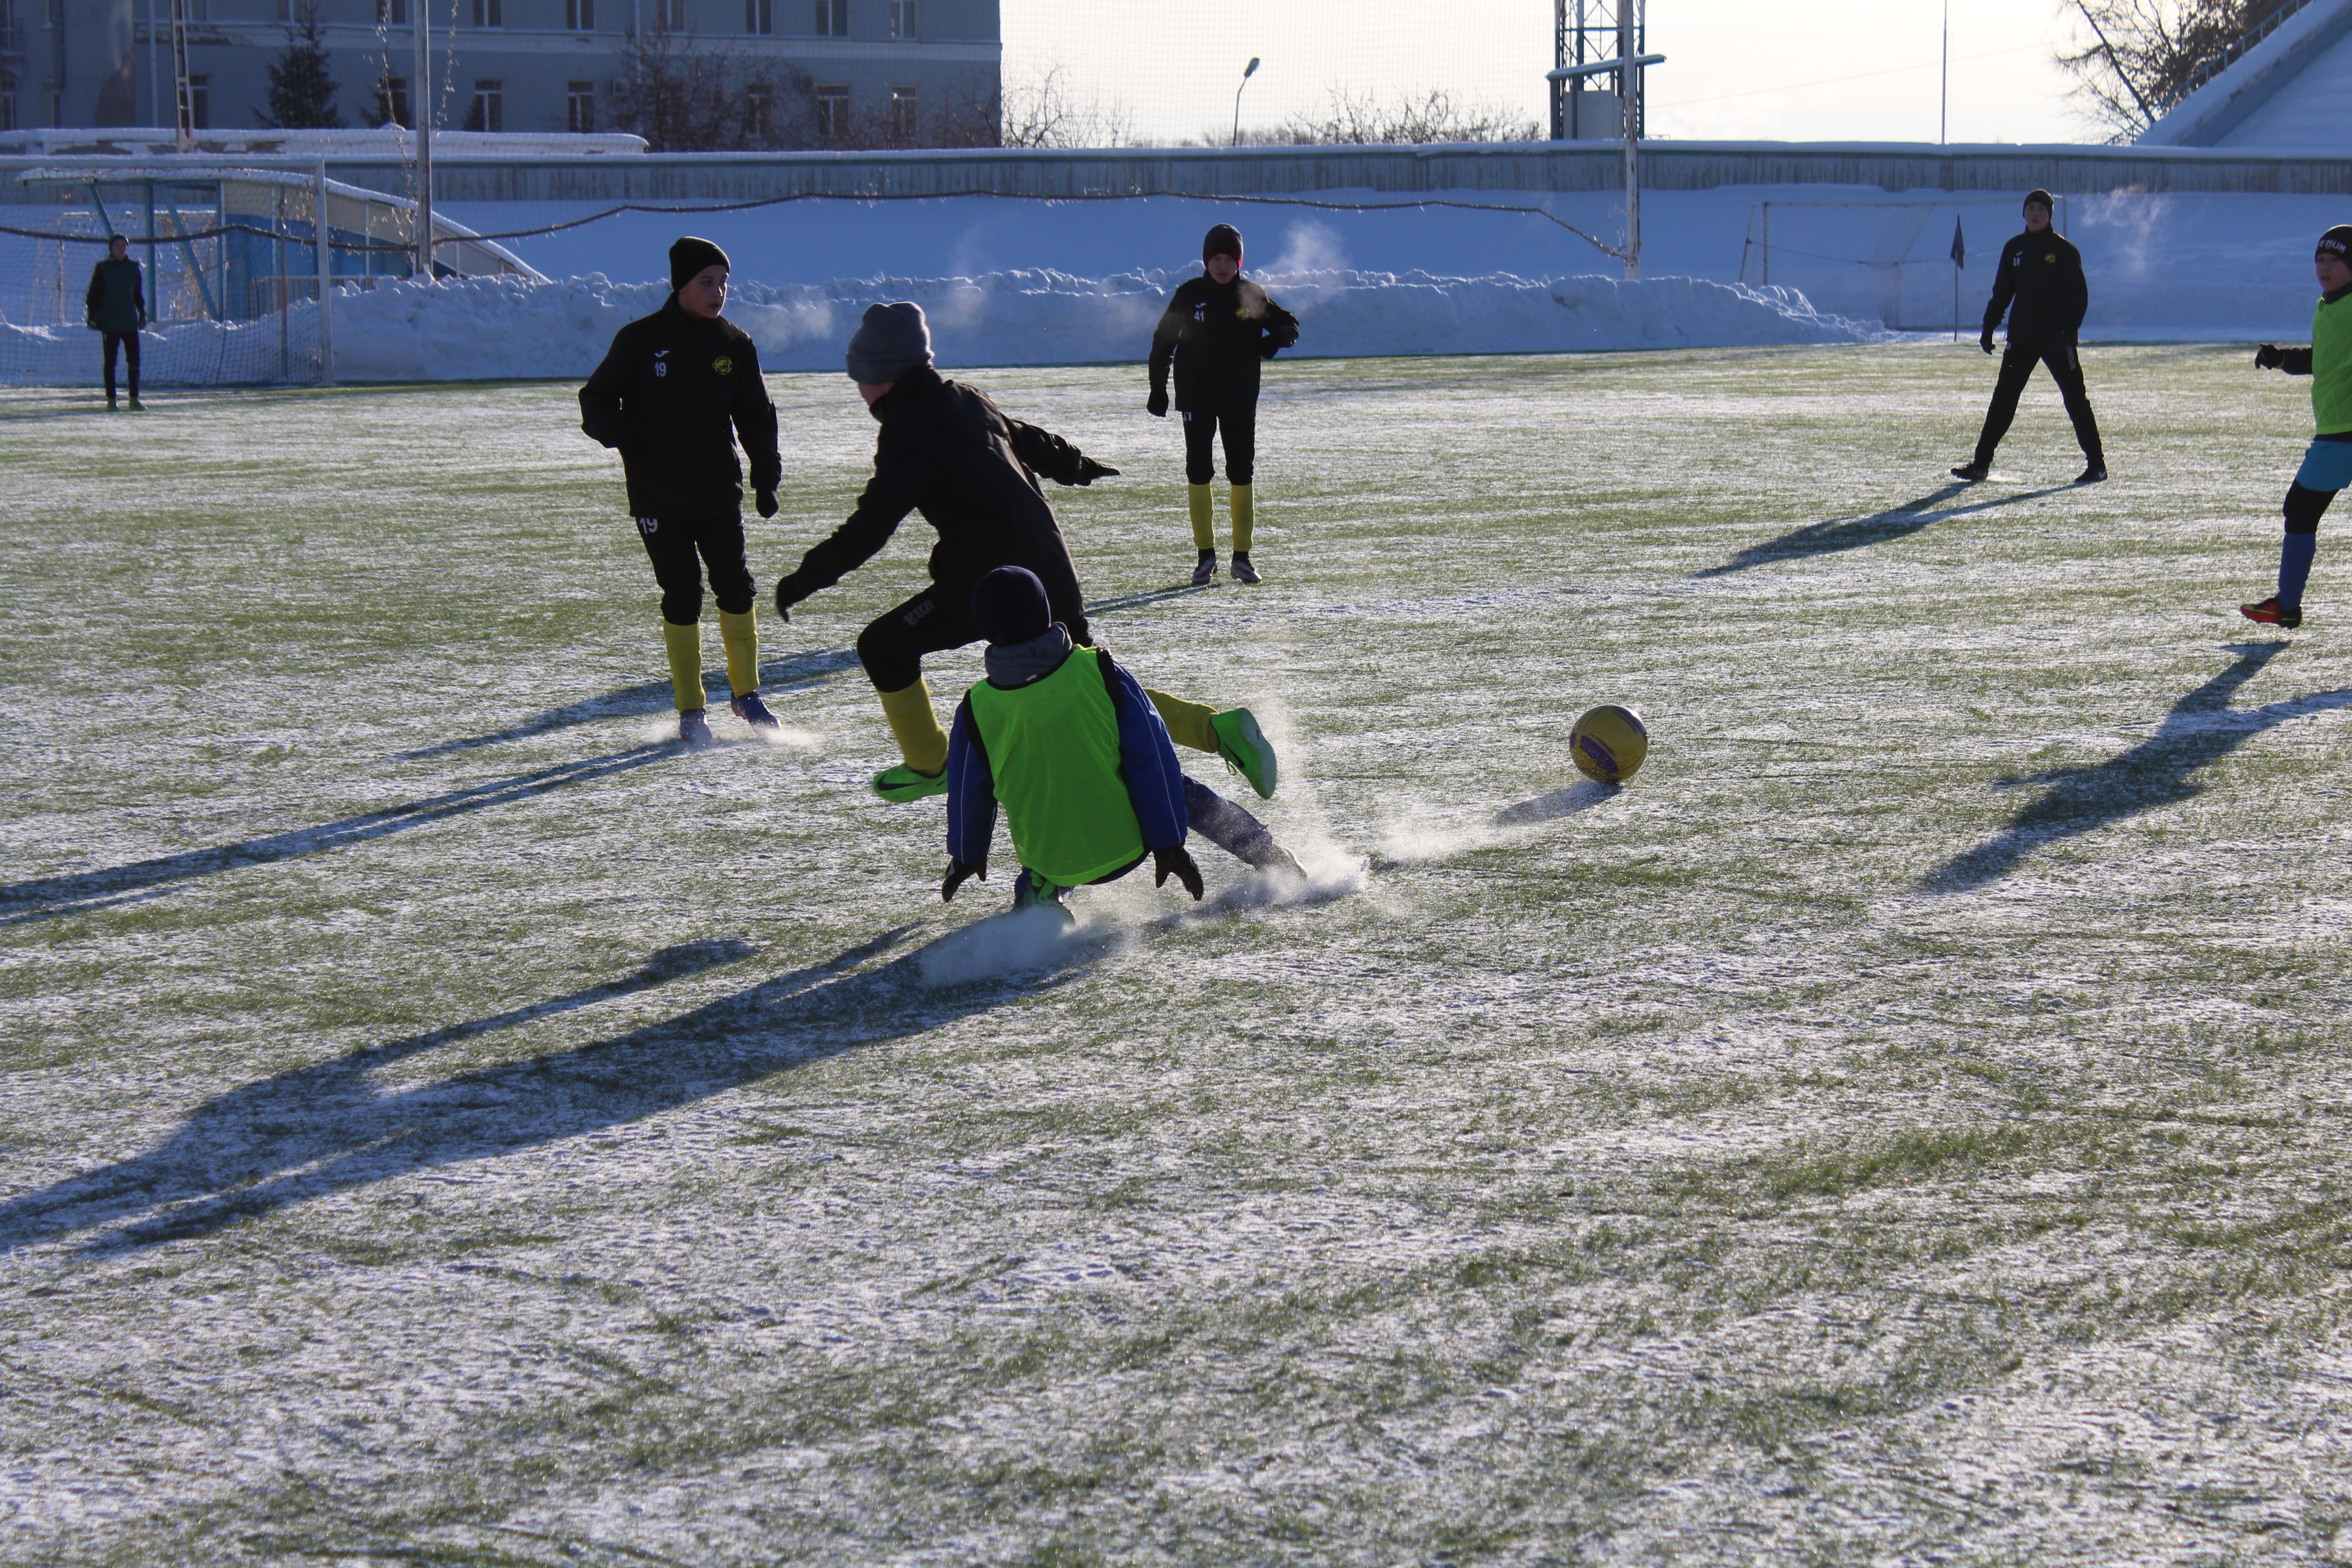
1736 70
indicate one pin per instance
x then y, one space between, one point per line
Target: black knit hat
2049 203
892 340
1223 240
2336 242
691 256
1008 605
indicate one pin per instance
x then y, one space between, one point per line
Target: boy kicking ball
1067 742
2327 461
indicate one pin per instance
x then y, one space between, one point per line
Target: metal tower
1584 33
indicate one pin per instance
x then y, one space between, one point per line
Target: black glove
1268 349
1176 862
1089 471
1985 341
784 603
767 503
2269 357
958 873
1157 404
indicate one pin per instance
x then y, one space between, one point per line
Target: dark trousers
1238 423
935 620
675 544
1219 821
2017 363
129 344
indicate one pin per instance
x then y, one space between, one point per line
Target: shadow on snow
1860 532
325 1128
47 897
1575 797
2201 727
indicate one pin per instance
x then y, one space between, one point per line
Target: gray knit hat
893 340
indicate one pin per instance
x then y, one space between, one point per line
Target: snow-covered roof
144 142
2287 92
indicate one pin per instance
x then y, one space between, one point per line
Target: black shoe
1243 570
1972 471
2092 475
2271 613
693 729
1206 572
754 712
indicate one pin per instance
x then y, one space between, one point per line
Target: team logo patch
1242 314
2051 257
723 366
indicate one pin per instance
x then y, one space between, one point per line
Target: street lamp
1248 71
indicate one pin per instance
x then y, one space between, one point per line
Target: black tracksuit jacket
672 395
1216 334
117 298
2039 287
949 453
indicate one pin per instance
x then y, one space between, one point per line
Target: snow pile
493 327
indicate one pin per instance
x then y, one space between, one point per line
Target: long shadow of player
325 1128
2202 728
1860 532
46 897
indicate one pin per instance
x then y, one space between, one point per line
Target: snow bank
497 327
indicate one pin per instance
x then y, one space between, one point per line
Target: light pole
1248 71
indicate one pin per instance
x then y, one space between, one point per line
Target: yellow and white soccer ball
1609 743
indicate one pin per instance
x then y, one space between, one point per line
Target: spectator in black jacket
948 452
2039 287
116 305
676 389
1215 331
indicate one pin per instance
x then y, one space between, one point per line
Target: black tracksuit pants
129 344
675 544
1237 419
2017 363
934 621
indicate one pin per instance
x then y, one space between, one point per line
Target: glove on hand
767 503
959 871
1157 406
1176 862
1985 341
2268 357
1089 471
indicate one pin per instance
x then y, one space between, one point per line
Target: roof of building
2287 90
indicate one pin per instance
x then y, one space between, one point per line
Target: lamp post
1248 71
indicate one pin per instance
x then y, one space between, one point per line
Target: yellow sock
921 741
1204 517
683 644
1188 722
739 635
1244 517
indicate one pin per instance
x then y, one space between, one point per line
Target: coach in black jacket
2039 287
676 389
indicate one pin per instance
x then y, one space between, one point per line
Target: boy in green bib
1077 754
2327 462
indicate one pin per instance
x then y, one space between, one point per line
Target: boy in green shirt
2327 461
1077 754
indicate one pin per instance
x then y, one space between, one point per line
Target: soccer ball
1609 743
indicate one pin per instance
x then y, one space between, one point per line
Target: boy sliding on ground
2327 462
2039 287
1077 753
1215 329
676 390
949 453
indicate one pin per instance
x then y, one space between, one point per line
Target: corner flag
1959 245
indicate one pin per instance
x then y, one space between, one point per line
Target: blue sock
2295 567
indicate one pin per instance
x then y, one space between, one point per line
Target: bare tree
1361 118
2142 56
685 97
1043 110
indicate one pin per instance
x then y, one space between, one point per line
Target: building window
580 15
902 19
488 112
391 102
392 11
905 113
197 10
832 112
580 107
200 102
833 18
759 15
7 109
489 13
670 16
285 10
760 110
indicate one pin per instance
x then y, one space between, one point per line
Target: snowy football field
444 1125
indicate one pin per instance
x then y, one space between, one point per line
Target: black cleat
1243 570
1205 571
2092 475
754 712
1972 472
693 729
2271 613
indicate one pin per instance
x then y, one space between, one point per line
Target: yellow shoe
902 783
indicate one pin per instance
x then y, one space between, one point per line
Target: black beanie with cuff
691 256
1009 607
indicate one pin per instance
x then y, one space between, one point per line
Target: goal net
1889 259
